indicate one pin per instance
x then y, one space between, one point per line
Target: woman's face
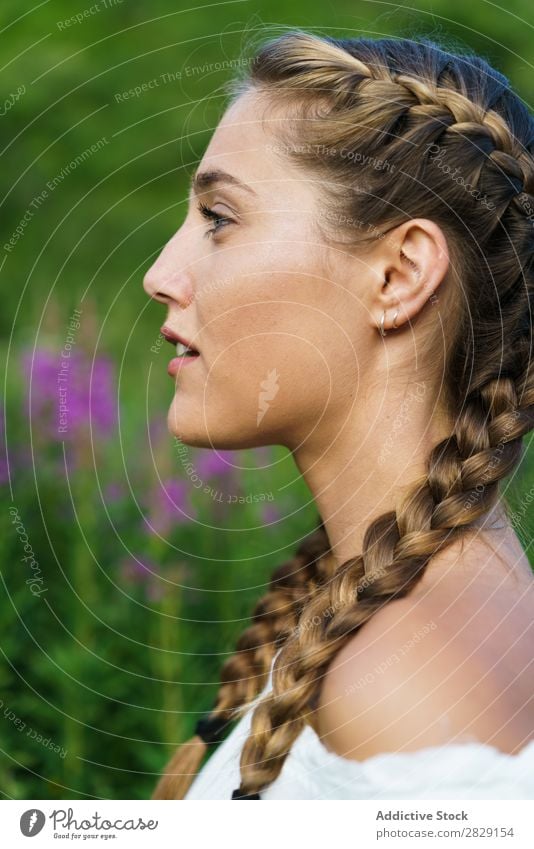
276 316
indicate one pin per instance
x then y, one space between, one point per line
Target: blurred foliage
112 662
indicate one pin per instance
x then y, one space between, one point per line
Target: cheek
273 324
267 363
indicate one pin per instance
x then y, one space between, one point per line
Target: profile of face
285 325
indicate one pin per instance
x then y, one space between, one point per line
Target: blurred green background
114 628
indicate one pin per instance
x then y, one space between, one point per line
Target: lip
173 337
176 365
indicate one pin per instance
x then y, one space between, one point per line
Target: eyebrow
205 180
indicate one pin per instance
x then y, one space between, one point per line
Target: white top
469 770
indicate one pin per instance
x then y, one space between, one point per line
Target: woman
365 283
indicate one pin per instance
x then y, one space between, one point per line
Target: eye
219 220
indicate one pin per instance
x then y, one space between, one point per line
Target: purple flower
269 514
169 505
158 430
211 463
101 397
114 492
41 368
70 394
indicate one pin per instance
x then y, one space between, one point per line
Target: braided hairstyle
245 673
460 144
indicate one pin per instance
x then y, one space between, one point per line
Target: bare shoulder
377 695
417 674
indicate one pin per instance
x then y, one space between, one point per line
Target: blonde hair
394 101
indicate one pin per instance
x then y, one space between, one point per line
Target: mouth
183 346
186 353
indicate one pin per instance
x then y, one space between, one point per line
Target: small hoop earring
395 319
382 331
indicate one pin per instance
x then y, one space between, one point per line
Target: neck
370 462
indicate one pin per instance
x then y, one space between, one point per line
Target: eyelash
213 216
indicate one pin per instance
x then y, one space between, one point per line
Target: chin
223 433
186 428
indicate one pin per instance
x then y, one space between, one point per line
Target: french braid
428 114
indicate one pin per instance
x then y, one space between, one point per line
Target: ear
411 261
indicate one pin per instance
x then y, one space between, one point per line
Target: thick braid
312 65
396 550
397 101
244 674
275 615
386 109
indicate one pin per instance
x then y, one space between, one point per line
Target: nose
166 283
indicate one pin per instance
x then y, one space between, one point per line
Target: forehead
244 144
